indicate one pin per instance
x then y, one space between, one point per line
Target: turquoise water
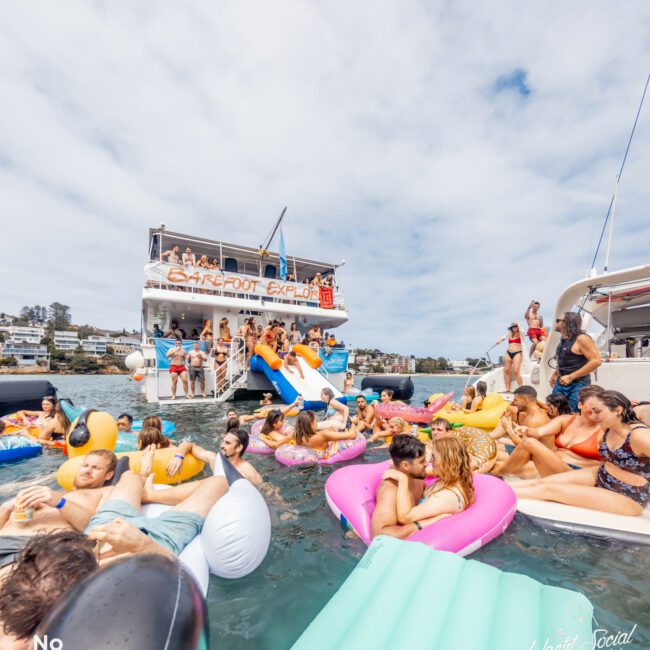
310 555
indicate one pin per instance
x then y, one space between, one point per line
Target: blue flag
283 257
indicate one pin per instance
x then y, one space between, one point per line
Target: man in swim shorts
291 359
408 456
364 416
535 325
177 367
55 510
196 358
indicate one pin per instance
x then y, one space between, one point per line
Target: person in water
385 397
535 324
452 493
51 421
469 395
322 441
513 358
621 483
409 459
365 415
124 422
152 436
577 357
337 413
177 367
47 568
394 427
273 431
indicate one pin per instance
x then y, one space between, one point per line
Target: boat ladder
235 371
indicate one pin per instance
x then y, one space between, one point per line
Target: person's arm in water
287 409
332 435
250 473
383 517
588 348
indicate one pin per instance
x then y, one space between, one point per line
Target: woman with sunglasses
513 356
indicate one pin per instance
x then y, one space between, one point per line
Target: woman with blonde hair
452 493
224 330
394 427
207 334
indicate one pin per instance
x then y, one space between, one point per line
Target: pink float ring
412 414
350 492
337 452
255 444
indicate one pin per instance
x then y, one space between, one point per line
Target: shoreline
27 371
415 374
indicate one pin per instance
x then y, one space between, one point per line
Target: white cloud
377 123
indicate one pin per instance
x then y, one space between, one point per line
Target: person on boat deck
52 422
525 409
224 330
309 435
124 422
47 568
273 431
152 436
621 484
189 259
535 324
315 335
195 336
557 405
196 358
469 395
157 332
348 383
270 335
214 264
291 360
207 335
452 493
177 367
577 357
642 410
294 334
567 442
233 447
337 414
175 332
512 360
365 415
409 458
395 426
173 256
220 354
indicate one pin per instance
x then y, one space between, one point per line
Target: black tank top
567 361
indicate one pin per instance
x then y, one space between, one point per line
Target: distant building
95 345
459 364
124 345
66 340
23 334
26 354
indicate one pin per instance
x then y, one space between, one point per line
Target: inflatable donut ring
482 447
412 414
256 445
337 451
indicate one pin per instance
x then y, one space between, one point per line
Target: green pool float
406 595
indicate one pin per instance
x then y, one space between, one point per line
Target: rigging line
620 173
269 239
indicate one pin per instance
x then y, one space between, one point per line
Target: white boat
247 284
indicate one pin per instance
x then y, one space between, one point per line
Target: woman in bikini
249 334
324 441
476 403
224 330
348 383
469 395
513 356
452 493
565 443
207 335
220 353
51 421
294 334
337 413
274 431
621 483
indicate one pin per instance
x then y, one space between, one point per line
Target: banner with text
182 276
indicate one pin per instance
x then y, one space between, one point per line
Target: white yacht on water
247 283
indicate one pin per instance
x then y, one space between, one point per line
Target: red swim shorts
535 333
176 369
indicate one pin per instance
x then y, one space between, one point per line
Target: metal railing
235 370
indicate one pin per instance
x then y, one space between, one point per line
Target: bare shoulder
88 497
249 472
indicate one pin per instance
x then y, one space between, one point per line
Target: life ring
482 447
337 452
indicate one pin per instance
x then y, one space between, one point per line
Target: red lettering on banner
176 275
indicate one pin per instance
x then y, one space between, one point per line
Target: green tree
59 316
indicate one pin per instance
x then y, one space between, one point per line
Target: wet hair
45 570
589 391
272 418
389 391
402 425
471 391
452 466
304 426
243 438
572 324
127 416
481 388
232 424
358 397
560 403
405 447
152 436
443 422
153 421
612 399
329 393
232 411
108 455
348 374
526 391
57 412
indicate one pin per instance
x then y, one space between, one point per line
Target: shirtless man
124 423
535 324
177 367
196 357
291 359
173 256
175 332
364 416
56 510
408 456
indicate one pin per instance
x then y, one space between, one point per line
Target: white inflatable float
635 530
236 534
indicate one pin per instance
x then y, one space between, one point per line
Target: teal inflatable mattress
405 595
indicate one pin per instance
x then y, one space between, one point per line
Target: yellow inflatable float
14 424
494 406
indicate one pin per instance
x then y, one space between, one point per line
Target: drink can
21 515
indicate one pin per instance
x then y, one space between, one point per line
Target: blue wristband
179 456
60 504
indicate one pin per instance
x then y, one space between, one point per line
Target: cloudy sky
459 155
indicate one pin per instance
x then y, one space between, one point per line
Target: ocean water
310 556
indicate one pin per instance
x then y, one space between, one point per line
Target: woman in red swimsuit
513 356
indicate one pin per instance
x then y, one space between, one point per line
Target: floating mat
405 595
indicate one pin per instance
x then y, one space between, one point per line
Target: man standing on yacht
177 366
577 357
196 357
535 324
